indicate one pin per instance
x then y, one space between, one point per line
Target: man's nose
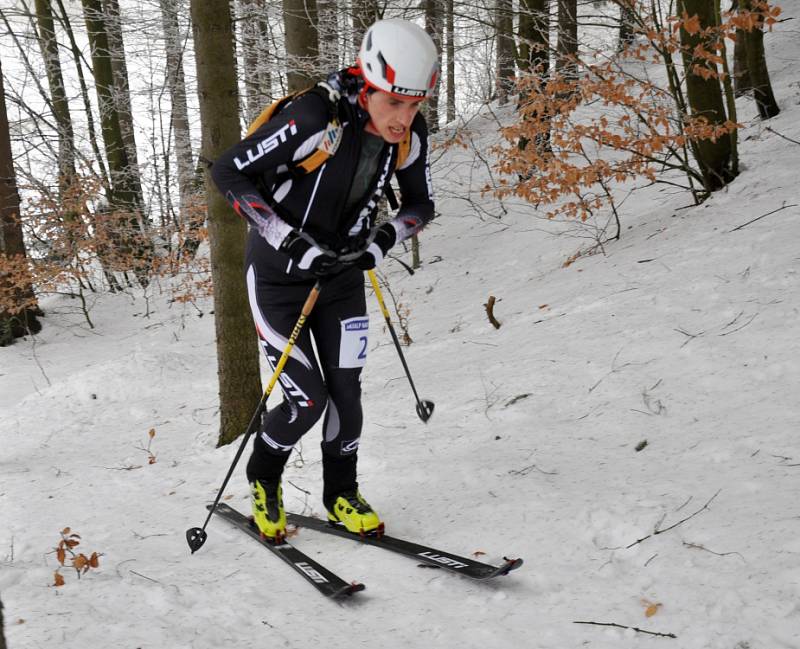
407 115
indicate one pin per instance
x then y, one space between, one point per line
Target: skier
308 181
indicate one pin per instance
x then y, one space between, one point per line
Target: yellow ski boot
351 510
268 513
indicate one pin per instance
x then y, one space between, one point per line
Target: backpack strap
331 137
270 111
403 149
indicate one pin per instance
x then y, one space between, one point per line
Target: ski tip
511 564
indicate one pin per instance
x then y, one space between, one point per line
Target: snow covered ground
683 335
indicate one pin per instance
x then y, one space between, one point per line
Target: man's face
390 116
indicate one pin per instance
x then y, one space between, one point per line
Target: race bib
353 342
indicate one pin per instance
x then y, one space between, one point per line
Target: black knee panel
344 418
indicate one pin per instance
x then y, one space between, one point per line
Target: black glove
309 256
385 236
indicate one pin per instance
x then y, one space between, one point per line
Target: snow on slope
682 335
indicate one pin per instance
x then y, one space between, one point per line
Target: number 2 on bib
353 342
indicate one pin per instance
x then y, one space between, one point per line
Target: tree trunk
451 63
122 93
302 43
705 95
433 26
87 104
534 36
123 186
567 37
504 28
730 97
237 349
77 56
264 73
627 24
18 308
250 25
179 118
365 12
2 635
125 246
757 68
55 80
741 76
534 53
328 34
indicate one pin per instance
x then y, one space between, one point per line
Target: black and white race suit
259 179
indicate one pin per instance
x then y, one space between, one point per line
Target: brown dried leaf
71 543
58 579
152 433
66 531
651 610
691 24
80 562
94 560
61 554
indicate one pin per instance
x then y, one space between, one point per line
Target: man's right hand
309 256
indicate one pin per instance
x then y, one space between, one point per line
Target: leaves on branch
66 557
565 158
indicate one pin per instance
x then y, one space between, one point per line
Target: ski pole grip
311 300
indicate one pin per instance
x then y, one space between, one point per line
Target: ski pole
196 536
424 407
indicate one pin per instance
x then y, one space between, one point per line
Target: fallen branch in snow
758 218
658 531
139 574
615 368
490 312
739 328
519 397
623 626
36 360
697 546
772 130
305 491
654 407
690 338
531 467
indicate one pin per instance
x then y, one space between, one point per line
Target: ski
317 575
428 555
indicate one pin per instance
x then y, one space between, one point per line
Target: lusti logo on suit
266 145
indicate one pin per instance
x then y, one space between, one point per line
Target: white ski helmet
399 57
